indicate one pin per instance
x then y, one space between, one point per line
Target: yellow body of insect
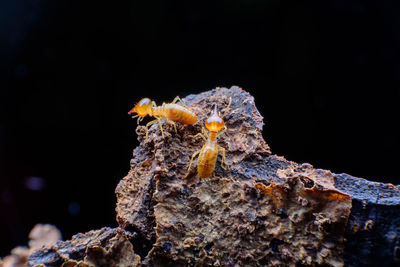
170 112
209 152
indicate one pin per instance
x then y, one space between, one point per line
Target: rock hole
141 245
226 195
263 262
251 193
185 191
167 247
260 220
282 213
274 245
192 262
77 255
209 247
308 183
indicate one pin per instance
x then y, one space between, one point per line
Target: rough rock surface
252 213
104 247
261 211
373 230
41 235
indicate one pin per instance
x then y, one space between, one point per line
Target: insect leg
227 108
148 125
204 132
223 157
159 123
176 99
201 135
190 164
174 124
223 131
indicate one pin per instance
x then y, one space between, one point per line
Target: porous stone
261 210
103 247
40 236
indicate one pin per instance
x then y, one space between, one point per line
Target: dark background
325 75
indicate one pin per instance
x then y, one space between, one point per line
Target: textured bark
263 210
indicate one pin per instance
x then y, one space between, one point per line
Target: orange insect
209 152
170 112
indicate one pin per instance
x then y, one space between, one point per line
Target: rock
373 229
104 247
17 258
43 235
40 236
263 210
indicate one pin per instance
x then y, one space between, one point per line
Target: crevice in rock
274 244
143 242
308 183
208 247
263 262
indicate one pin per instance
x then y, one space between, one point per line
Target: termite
209 152
170 112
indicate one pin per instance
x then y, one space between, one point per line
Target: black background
325 75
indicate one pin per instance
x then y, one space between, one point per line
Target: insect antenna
228 107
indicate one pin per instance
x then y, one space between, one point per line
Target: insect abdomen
207 160
180 114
